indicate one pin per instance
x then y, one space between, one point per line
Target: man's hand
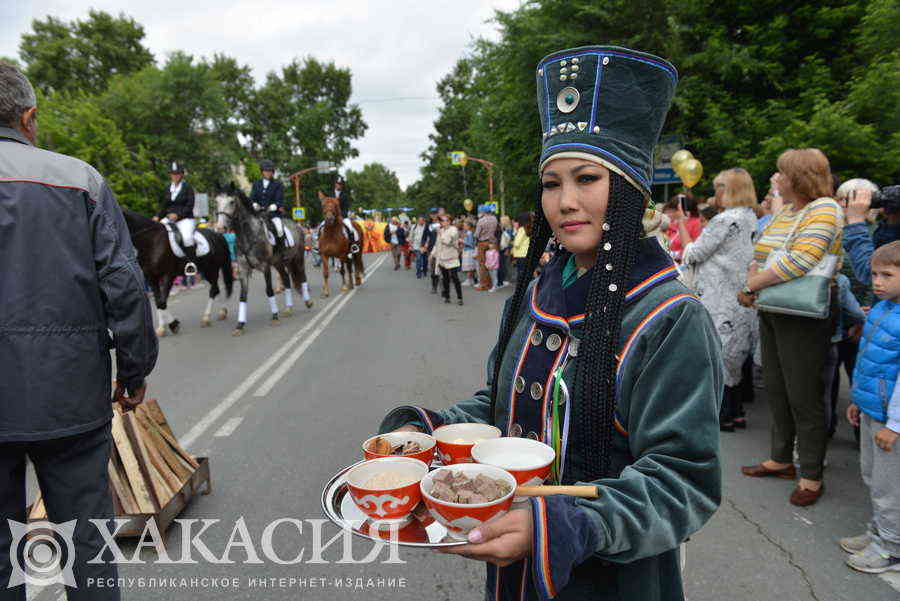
135 397
256 206
172 216
501 542
885 438
853 414
858 205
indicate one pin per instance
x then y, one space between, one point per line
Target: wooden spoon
584 492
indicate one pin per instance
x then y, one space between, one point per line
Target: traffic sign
493 207
299 213
663 173
459 158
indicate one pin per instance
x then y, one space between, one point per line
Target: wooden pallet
151 477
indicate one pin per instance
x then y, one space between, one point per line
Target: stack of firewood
147 466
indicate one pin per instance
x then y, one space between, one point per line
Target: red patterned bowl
460 518
387 506
426 441
455 441
529 461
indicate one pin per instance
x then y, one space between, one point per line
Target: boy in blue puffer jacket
876 410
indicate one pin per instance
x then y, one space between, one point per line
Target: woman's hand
746 300
853 414
501 542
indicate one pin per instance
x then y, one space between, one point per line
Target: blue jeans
421 266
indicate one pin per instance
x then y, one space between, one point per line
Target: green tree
77 126
756 79
302 115
375 187
83 55
177 112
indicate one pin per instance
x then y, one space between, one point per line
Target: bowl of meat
400 444
464 496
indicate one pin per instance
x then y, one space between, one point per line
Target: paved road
280 410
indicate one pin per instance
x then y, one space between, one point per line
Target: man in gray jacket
68 276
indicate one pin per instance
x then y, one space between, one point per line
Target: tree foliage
106 101
375 187
83 55
756 78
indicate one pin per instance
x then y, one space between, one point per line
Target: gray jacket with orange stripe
68 276
624 544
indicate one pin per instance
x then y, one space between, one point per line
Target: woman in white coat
446 256
720 257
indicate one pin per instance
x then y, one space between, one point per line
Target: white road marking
229 427
216 412
288 363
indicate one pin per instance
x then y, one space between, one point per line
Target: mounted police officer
177 206
267 195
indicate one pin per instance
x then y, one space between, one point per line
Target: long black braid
595 376
540 236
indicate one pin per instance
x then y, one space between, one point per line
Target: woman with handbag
790 282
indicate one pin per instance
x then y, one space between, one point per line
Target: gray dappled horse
254 251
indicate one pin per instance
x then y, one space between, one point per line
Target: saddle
201 244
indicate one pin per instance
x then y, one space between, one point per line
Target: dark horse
333 242
256 252
161 266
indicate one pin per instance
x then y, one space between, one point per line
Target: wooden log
134 475
167 474
152 409
133 431
121 486
174 461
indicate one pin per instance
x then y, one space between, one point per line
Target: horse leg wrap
288 297
242 312
305 287
273 305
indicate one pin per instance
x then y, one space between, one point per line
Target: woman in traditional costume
606 356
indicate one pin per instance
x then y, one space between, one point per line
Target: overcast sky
397 50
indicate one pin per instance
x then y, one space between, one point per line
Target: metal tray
422 532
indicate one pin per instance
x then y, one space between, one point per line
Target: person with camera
861 196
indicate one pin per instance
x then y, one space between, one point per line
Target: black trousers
73 475
446 276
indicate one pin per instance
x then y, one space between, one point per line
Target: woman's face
784 186
575 196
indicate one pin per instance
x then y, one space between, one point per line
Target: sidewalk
759 547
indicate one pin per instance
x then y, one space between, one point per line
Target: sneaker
873 560
855 544
466 283
492 289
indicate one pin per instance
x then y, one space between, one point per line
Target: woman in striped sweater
794 348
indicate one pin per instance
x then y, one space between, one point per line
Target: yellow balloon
680 157
690 172
468 204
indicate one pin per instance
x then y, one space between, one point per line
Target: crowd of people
482 253
760 269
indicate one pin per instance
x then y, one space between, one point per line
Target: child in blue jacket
876 410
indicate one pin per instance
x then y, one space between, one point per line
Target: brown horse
333 242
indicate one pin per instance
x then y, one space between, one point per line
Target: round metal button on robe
515 430
533 435
537 337
554 342
520 384
537 391
573 346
